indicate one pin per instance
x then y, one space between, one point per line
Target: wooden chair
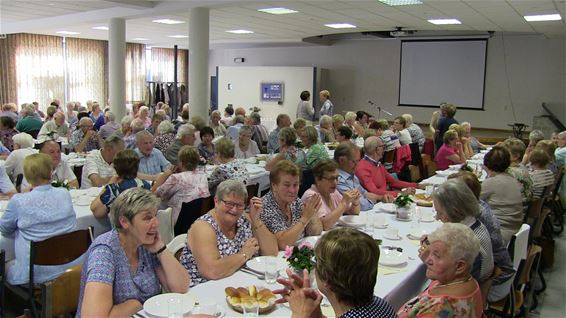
486 284
414 173
253 190
63 293
207 205
307 181
388 159
190 212
2 281
555 205
165 225
177 244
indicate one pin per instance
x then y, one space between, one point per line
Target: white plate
352 220
258 263
159 305
391 237
83 201
444 173
455 167
416 234
392 258
428 220
386 207
381 226
403 220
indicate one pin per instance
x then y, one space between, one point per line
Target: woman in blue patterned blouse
130 264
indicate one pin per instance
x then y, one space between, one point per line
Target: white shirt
63 172
15 162
95 164
405 137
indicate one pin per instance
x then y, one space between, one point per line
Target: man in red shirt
372 173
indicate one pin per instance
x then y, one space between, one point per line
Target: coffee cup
380 220
391 233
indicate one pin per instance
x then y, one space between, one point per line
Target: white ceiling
50 16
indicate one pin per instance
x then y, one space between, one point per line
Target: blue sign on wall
272 92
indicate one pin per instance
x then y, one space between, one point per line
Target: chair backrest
65 292
177 244
535 207
518 245
389 156
2 281
252 191
190 212
306 181
165 225
415 174
415 154
558 182
486 284
207 205
60 249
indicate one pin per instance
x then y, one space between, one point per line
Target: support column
199 97
117 67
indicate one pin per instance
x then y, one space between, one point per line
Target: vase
403 213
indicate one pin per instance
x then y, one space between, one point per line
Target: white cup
380 220
429 190
392 233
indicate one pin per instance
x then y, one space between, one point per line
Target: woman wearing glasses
334 204
224 239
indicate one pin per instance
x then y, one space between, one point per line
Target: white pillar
199 97
117 67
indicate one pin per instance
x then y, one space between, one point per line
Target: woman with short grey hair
228 167
109 286
287 150
165 135
246 147
454 202
325 129
224 239
315 152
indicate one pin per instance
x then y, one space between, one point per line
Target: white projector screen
436 71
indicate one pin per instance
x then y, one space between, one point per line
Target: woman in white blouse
246 147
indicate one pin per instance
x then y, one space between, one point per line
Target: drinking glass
251 308
270 270
175 307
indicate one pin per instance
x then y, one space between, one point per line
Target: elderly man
347 155
110 125
55 128
29 123
98 169
259 131
155 121
8 111
136 126
233 131
152 161
71 114
282 121
23 147
85 139
240 111
185 137
372 173
61 170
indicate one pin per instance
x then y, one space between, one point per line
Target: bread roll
265 293
242 292
234 301
231 291
253 290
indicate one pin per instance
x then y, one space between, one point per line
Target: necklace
454 283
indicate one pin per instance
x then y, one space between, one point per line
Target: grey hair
131 202
30 109
165 127
143 134
137 125
371 144
184 130
255 117
231 187
408 119
113 142
536 135
562 135
110 116
127 120
84 120
239 119
344 150
288 135
350 116
461 241
144 108
312 134
245 128
466 124
325 119
216 112
457 200
23 139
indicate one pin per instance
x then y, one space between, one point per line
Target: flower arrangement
403 201
300 257
60 184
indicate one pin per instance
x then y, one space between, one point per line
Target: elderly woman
287 150
465 141
206 147
453 204
451 151
350 122
304 108
334 204
7 131
502 192
35 216
283 212
535 136
143 114
560 160
246 147
187 185
325 129
129 264
327 107
315 150
216 125
400 128
518 170
448 254
549 147
447 112
156 119
126 164
414 130
165 135
346 273
540 174
85 139
474 142
23 147
337 122
228 168
224 239
299 125
199 123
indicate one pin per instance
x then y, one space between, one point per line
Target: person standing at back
327 107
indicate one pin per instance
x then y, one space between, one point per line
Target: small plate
392 238
403 220
381 226
258 263
428 220
158 305
444 173
392 258
353 220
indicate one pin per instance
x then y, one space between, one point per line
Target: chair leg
542 281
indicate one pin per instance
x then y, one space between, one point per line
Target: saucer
392 238
381 226
403 220
428 220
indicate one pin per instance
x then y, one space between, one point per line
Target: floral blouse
524 178
235 169
226 246
163 141
316 153
297 156
274 219
443 306
208 155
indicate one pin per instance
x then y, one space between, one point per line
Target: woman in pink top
451 151
448 254
334 204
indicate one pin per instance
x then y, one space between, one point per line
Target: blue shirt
327 108
153 164
348 182
273 141
233 132
35 216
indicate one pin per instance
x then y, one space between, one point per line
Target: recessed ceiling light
444 21
178 36
240 31
140 39
543 17
277 10
67 32
400 2
101 28
340 25
168 21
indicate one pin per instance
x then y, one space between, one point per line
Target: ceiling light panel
543 17
105 28
340 25
277 10
444 21
68 32
178 36
401 2
140 39
240 31
167 21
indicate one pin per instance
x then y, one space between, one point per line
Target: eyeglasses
232 205
330 178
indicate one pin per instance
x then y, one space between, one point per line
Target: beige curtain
162 68
8 80
86 70
135 72
39 68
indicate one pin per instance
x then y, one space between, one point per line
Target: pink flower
288 251
305 244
